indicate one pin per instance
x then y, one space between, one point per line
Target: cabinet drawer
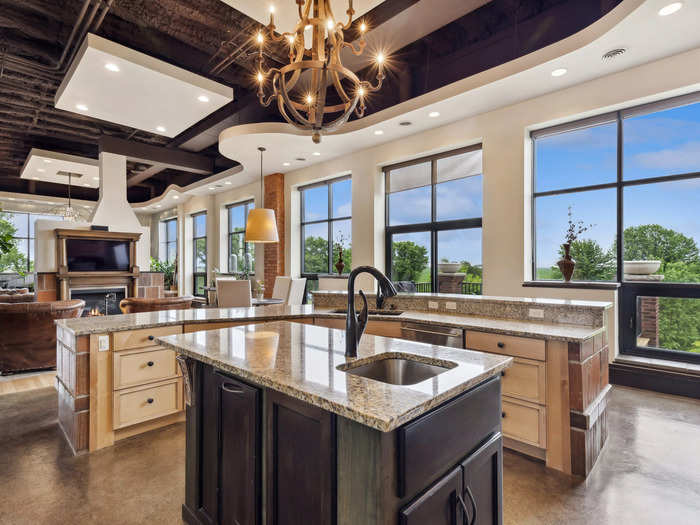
525 422
506 344
525 379
432 443
139 404
141 338
136 367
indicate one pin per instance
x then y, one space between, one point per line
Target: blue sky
662 143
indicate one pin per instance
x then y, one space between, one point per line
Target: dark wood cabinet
438 505
230 451
483 484
300 462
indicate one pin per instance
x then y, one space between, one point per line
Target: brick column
649 319
274 253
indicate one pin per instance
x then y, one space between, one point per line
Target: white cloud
685 157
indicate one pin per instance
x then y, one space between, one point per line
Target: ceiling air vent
614 54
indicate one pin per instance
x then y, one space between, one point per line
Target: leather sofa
132 305
28 340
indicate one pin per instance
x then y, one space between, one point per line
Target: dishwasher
434 335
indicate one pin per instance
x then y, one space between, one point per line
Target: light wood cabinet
143 365
146 402
144 337
524 421
526 347
526 380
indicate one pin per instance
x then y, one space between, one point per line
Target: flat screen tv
97 255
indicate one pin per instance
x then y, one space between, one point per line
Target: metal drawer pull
231 389
503 373
466 519
150 363
503 415
473 502
500 344
149 400
151 338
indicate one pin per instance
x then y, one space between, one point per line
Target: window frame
29 238
168 241
629 291
246 248
434 226
330 220
196 274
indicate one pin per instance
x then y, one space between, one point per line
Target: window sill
576 285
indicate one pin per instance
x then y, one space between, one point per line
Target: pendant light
67 211
261 225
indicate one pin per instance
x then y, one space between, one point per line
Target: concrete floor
649 472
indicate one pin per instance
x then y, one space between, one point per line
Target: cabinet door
230 451
300 462
438 505
239 458
483 484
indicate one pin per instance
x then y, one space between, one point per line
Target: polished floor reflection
649 472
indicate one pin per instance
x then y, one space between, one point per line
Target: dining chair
334 284
232 294
296 291
281 289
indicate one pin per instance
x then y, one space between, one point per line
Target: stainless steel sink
395 371
370 312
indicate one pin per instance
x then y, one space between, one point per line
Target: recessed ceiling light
286 164
41 170
176 197
11 199
35 178
434 114
378 132
203 98
85 206
86 185
81 107
157 205
560 72
670 9
95 178
228 182
160 128
211 188
316 153
47 161
110 66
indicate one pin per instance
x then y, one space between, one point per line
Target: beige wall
507 173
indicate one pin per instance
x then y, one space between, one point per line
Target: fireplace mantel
87 279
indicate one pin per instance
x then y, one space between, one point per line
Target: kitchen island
554 395
283 428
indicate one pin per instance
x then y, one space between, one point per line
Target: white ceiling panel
114 83
51 166
286 12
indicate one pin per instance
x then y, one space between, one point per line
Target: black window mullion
330 228
620 201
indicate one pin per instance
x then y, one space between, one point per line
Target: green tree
10 257
654 242
315 255
474 273
408 260
592 262
679 319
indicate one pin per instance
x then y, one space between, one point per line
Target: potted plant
259 289
167 269
573 231
340 264
446 266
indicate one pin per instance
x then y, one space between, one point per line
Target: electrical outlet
103 343
432 305
537 313
450 305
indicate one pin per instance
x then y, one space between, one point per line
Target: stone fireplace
100 301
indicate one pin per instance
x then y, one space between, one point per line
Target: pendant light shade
261 225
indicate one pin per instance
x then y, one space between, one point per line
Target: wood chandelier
301 88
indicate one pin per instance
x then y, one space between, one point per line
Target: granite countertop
301 361
116 323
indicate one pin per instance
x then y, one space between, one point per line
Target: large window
199 256
433 217
326 228
633 179
168 240
241 254
21 225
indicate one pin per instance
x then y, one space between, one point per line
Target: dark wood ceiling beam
171 158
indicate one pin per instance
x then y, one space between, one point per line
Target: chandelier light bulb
361 92
309 99
330 24
260 77
380 58
272 9
363 27
260 37
290 39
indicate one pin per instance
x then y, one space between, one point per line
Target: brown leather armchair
28 340
132 305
